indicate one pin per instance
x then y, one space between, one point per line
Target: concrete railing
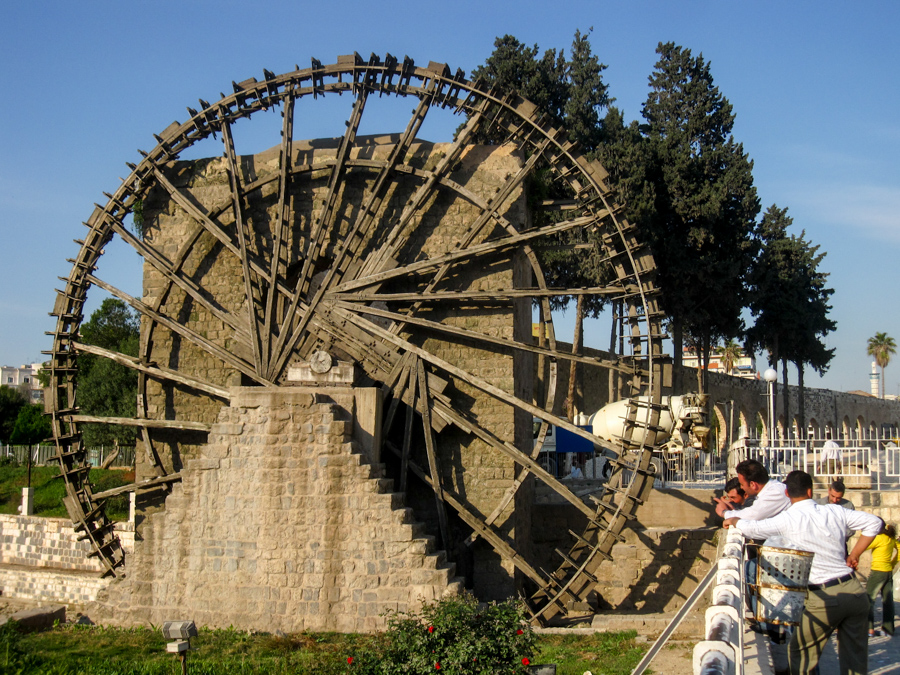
721 653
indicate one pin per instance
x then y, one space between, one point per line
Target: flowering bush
459 635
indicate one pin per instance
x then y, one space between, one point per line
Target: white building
24 378
744 366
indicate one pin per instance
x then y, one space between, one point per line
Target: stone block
40 618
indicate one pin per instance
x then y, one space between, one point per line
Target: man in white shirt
769 497
836 601
832 460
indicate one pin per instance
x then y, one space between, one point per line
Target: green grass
49 490
607 653
90 650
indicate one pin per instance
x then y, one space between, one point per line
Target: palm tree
730 352
882 347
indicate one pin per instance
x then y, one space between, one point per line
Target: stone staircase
281 525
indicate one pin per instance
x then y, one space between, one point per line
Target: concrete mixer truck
678 438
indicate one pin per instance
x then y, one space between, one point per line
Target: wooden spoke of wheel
482 338
484 249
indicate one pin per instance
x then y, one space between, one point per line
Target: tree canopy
31 426
789 299
106 388
881 347
11 402
688 184
571 92
703 230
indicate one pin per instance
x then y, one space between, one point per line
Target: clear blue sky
814 86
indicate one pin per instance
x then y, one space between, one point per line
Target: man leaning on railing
836 601
769 498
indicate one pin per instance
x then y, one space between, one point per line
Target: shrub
458 635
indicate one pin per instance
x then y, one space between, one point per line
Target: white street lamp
771 376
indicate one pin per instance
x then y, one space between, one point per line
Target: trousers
843 608
881 582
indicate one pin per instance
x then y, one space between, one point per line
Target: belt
833 582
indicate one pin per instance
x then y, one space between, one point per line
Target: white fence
42 455
876 461
723 649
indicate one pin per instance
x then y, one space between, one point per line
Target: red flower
430 629
525 661
349 659
519 632
437 666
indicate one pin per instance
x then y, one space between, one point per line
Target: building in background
744 366
25 379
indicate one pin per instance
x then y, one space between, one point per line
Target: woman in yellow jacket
884 558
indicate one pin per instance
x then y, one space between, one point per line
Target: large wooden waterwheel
351 282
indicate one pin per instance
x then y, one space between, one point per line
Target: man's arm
869 526
861 545
760 529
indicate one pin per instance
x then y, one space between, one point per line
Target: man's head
734 492
836 492
752 476
798 485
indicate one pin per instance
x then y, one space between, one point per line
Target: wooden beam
142 422
364 218
485 248
434 466
142 485
408 428
501 294
475 521
390 246
238 206
319 230
281 223
519 458
157 261
155 372
483 337
476 382
176 327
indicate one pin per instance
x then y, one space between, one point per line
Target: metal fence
874 461
42 455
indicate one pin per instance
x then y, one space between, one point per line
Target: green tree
789 300
703 230
571 93
11 402
881 347
106 388
730 352
31 426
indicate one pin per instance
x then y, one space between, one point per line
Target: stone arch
780 428
744 430
860 427
725 431
830 431
813 431
762 428
848 428
873 430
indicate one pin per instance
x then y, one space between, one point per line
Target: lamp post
771 377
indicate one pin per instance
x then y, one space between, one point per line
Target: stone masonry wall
281 525
51 542
41 559
468 466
